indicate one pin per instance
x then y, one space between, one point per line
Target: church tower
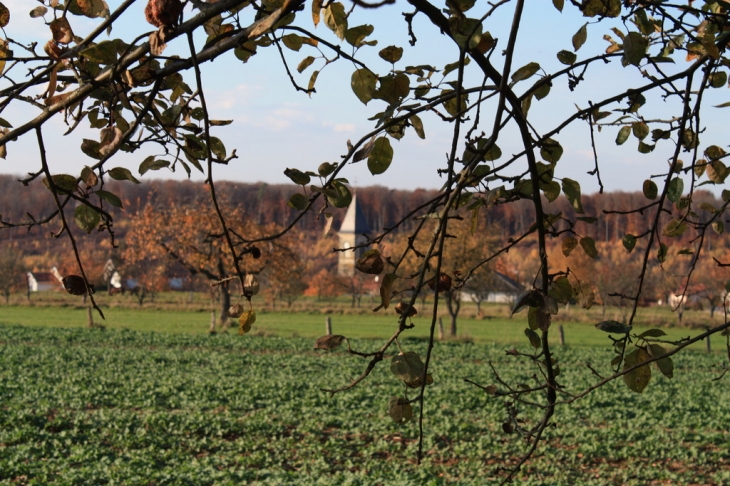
351 234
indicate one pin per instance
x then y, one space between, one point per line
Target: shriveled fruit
163 13
407 309
371 262
444 283
74 284
236 310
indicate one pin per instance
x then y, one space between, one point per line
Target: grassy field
99 407
176 313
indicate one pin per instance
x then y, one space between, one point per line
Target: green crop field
126 407
492 329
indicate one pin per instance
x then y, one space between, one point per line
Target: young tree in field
192 236
11 272
326 285
468 71
284 280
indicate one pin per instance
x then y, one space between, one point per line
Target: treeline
383 208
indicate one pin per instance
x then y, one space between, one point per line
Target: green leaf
298 201
561 290
150 163
674 191
601 8
407 366
356 35
312 80
718 227
325 169
629 241
650 189
335 18
635 46
718 79
589 247
645 148
88 176
664 365
652 333
569 244
454 66
109 197
86 218
551 190
297 176
559 4
122 174
417 125
393 88
292 41
613 327
391 54
571 189
566 57
217 147
400 410
63 182
579 38
638 379
623 135
105 52
343 197
380 156
90 148
363 84
306 62
551 150
674 228
531 298
662 253
467 33
543 90
535 340
640 129
525 72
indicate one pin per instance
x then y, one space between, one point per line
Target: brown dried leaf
330 341
61 30
157 42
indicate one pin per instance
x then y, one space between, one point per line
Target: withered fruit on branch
163 13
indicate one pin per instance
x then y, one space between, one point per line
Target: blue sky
276 127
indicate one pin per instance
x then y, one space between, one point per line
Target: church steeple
352 229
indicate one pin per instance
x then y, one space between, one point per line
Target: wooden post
707 344
441 329
211 329
328 326
561 334
90 317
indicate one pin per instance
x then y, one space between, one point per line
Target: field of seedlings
81 406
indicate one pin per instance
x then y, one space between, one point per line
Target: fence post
561 335
328 326
211 329
441 329
90 316
707 344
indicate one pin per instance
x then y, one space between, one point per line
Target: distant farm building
42 281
